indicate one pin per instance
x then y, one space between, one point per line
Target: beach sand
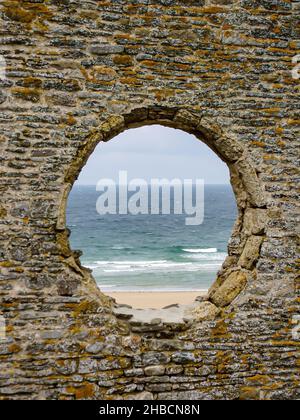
155 300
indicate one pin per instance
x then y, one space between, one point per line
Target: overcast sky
154 152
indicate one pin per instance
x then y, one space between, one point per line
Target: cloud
155 151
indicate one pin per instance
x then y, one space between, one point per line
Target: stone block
251 252
230 289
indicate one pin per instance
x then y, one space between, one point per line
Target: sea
151 252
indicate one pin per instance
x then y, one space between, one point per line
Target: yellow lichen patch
179 66
279 130
86 307
70 120
3 213
133 9
220 330
87 14
258 144
281 143
123 36
99 74
249 393
63 243
25 12
269 157
14 348
293 122
245 358
131 81
9 305
259 380
271 110
124 60
283 343
14 11
27 94
32 82
123 362
9 328
277 30
293 45
214 9
277 86
83 392
163 94
40 26
85 74
150 63
6 264
223 360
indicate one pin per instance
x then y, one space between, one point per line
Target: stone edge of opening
249 230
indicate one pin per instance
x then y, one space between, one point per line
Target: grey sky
155 152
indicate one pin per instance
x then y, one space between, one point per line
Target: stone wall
80 72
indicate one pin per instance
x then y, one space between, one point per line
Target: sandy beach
155 300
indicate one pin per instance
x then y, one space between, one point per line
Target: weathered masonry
77 73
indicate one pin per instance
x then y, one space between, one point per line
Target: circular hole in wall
245 242
149 259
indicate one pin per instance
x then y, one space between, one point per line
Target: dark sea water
133 253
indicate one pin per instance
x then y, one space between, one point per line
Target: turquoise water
133 253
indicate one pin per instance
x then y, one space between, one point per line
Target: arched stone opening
248 234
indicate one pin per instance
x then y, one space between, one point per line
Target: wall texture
78 72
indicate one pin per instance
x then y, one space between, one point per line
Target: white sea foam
137 263
211 263
90 266
201 250
133 267
119 264
220 256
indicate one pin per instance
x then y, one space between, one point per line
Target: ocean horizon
151 252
